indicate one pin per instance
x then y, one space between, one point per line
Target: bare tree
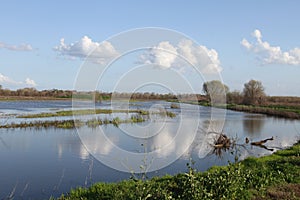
235 97
253 93
216 91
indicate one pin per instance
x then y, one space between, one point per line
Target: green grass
252 178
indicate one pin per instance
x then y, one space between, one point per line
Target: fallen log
259 143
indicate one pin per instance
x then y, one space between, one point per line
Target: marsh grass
115 121
69 124
66 124
76 112
139 116
87 112
174 106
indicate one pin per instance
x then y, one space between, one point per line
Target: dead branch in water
259 143
222 141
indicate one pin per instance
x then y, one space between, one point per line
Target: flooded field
45 162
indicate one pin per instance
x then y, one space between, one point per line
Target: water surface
39 163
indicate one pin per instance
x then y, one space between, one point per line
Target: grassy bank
283 111
253 178
277 111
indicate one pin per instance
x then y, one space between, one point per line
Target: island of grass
93 111
140 116
69 124
276 176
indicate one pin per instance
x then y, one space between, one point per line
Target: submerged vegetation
42 124
91 112
253 178
115 121
140 116
175 106
69 124
82 112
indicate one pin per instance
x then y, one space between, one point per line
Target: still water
40 163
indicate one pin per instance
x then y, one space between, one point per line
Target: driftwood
258 143
222 141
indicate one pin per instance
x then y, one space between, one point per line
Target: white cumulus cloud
11 82
167 55
271 54
30 82
7 80
97 52
21 47
164 54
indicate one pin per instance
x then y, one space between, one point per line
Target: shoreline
280 111
252 178
273 112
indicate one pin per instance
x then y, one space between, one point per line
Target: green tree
216 91
254 93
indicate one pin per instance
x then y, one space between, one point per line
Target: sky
44 44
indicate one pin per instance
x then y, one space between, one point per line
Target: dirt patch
286 191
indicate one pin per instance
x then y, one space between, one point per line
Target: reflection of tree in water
253 124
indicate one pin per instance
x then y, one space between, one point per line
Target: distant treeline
32 92
234 97
96 95
99 96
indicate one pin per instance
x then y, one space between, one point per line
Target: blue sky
31 32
